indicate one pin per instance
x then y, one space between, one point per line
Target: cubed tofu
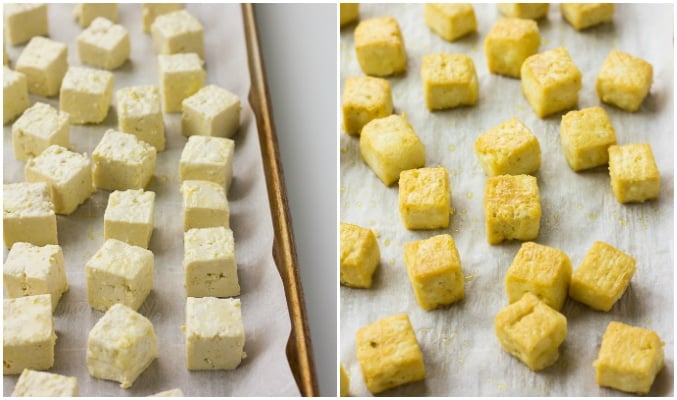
212 111
204 205
582 16
345 382
39 127
85 13
508 149
86 95
512 208
28 214
140 113
44 384
15 94
450 21
360 256
586 136
349 13
169 393
524 10
178 32
364 99
181 76
509 42
624 80
209 263
104 44
425 198
23 21
379 46
129 217
634 173
150 11
44 62
122 161
449 81
207 158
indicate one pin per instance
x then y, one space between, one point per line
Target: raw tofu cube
586 137
28 336
364 99
122 161
121 346
345 382
68 174
181 76
360 256
425 198
450 21
25 20
602 277
85 13
629 359
349 13
389 354
150 11
44 384
178 32
624 80
449 81
169 393
379 46
129 217
508 149
28 214
209 263
15 94
634 173
140 113
39 127
86 94
550 81
212 111
389 146
512 208
204 205
206 158
104 44
434 269
542 271
582 16
44 62
524 10
509 42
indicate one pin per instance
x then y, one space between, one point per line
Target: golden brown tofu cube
345 382
449 81
508 149
379 46
586 136
524 10
425 198
634 173
512 208
582 16
360 256
509 42
624 80
349 13
364 99
450 21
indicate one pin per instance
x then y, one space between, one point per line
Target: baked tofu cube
434 269
425 198
28 214
181 76
122 161
379 46
150 11
209 263
178 32
23 21
634 173
629 358
389 146
550 81
512 208
169 393
207 158
86 94
508 149
602 277
349 13
586 136
624 80
44 384
204 205
140 113
104 44
582 16
364 99
449 81
129 217
509 42
44 62
85 13
345 382
360 256
524 10
39 127
15 94
450 21
212 111
540 270
389 354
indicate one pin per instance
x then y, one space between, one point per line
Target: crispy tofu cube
512 208
389 146
380 47
508 149
624 80
531 331
389 354
424 198
434 269
550 81
449 81
509 42
582 16
345 382
586 136
524 10
602 277
364 99
360 256
634 173
450 21
349 13
540 270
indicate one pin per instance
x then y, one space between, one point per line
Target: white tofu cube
169 393
150 11
23 21
181 76
38 128
212 111
44 62
204 205
104 44
28 214
207 158
140 113
15 94
209 263
122 161
129 217
85 13
178 32
44 384
86 94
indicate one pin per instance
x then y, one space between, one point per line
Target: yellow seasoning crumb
592 217
452 148
623 221
469 278
386 242
470 195
452 211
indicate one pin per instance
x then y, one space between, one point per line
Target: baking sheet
265 371
461 353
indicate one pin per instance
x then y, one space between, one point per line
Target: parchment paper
461 353
265 371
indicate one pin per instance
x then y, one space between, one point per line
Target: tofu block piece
129 217
389 354
28 214
524 10
450 21
121 346
602 277
181 76
31 270
634 173
543 271
15 94
582 16
379 46
104 44
449 81
23 21
212 111
204 205
624 80
178 32
550 81
85 13
425 198
360 256
215 334
531 331
434 270
345 382
512 208
349 13
68 174
586 136
169 393
629 358
207 158
150 11
44 384
44 62
122 161
140 113
509 42
209 263
39 127
28 336
389 146
364 99
508 149
86 95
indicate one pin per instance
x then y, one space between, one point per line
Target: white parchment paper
461 353
265 371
